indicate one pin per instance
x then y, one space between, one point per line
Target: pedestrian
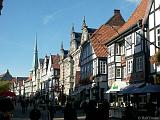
35 114
91 111
103 110
129 112
157 113
23 105
52 111
150 109
69 112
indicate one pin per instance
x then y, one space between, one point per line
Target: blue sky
51 20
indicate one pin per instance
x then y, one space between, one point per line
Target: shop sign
115 86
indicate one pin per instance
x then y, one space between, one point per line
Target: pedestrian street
18 115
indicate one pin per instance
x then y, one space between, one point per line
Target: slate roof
137 15
55 61
91 30
6 76
77 35
22 78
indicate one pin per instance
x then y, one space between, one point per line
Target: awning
149 88
80 89
117 86
132 88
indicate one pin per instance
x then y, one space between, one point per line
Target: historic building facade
154 37
93 60
126 58
69 63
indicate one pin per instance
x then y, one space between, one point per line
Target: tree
4 85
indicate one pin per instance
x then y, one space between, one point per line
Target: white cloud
51 17
47 19
133 1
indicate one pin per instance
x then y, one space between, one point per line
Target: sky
51 21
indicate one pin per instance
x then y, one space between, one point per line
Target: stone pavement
18 115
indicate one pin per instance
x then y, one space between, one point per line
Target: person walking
23 105
35 114
69 112
91 111
52 111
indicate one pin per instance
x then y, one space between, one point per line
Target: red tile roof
105 32
137 15
55 61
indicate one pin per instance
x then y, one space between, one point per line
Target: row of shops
138 96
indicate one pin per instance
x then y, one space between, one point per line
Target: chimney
116 11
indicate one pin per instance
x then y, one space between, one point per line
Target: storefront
116 99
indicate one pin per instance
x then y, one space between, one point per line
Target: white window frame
139 63
122 50
118 72
103 67
128 41
110 71
117 49
130 66
125 72
138 37
158 36
112 50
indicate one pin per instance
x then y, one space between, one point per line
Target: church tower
35 80
35 57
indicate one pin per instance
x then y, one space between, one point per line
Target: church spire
35 59
72 28
62 45
84 23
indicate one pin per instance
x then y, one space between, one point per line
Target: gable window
139 64
128 41
103 67
158 37
118 72
138 37
130 66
